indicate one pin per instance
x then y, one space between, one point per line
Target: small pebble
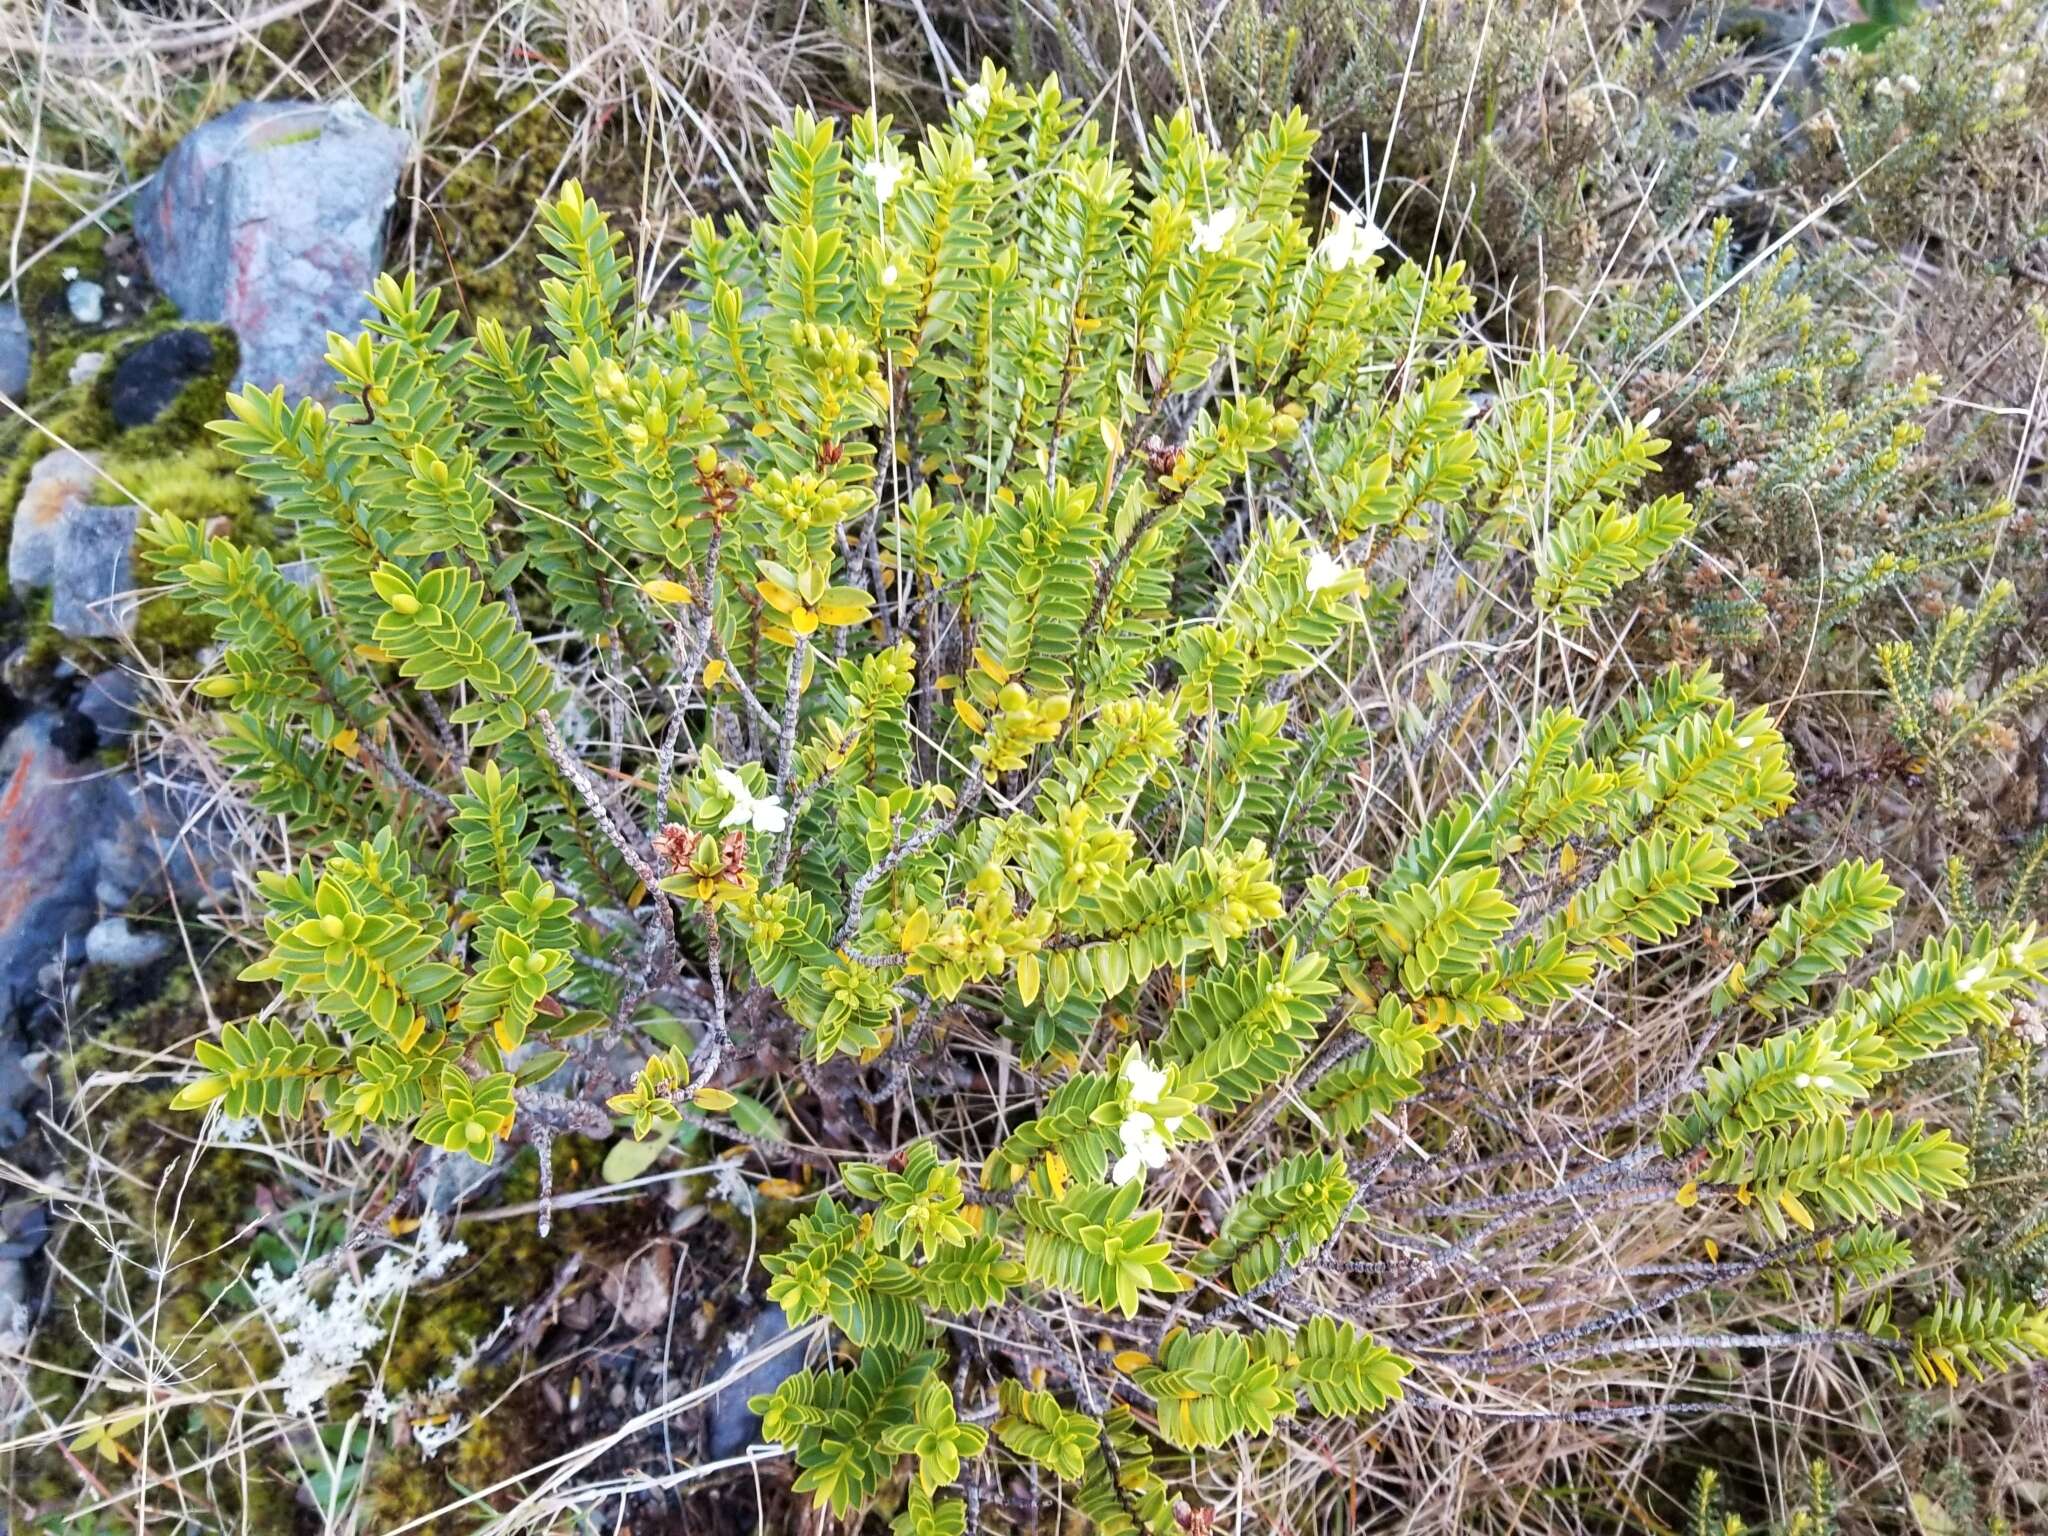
87 366
87 301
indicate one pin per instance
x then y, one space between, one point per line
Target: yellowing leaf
845 605
1688 1196
780 1189
1796 1209
714 669
197 1095
662 590
1129 1360
714 1100
782 599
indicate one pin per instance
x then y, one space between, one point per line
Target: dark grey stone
108 701
730 1425
92 581
271 219
153 375
14 354
165 838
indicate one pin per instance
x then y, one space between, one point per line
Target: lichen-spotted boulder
271 219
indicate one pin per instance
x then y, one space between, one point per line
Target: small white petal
1324 570
886 175
1147 1081
1210 233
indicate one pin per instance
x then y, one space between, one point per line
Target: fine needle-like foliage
933 640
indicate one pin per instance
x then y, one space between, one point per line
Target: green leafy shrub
1011 650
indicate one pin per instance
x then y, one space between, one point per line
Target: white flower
889 275
977 99
1147 1081
887 175
1144 1147
1324 570
1351 239
764 813
1210 233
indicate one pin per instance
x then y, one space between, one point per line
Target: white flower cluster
322 1343
1351 239
1143 1133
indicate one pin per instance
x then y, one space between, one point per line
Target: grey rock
14 1309
165 838
86 367
14 353
108 701
92 581
59 483
730 1425
51 812
271 219
112 941
453 1177
87 299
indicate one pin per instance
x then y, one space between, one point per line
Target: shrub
1088 692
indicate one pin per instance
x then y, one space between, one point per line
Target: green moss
510 148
